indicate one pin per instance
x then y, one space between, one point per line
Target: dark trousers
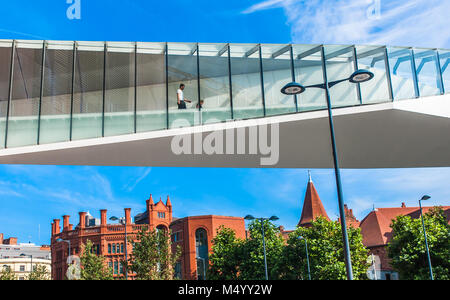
182 105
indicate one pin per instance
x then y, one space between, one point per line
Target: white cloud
135 181
402 23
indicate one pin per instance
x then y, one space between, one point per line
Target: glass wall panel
308 71
57 89
444 57
246 81
182 69
24 110
427 70
340 65
88 91
120 87
373 58
5 62
151 87
277 72
214 83
400 64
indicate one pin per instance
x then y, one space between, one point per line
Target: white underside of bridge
400 134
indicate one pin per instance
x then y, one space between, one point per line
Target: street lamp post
272 218
123 222
426 197
294 88
307 257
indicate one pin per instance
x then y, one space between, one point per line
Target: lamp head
59 240
249 217
361 76
425 197
301 238
114 218
293 88
273 218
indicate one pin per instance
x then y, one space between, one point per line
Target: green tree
407 247
7 274
223 260
93 266
325 249
251 253
152 257
39 272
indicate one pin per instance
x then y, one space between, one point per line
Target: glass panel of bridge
24 110
427 69
5 62
88 91
340 65
120 88
214 83
182 69
308 71
151 87
400 64
277 72
444 57
373 58
57 91
246 81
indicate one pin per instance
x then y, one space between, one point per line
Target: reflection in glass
201 252
246 81
182 69
308 71
427 69
5 62
151 87
373 58
88 91
57 89
444 57
402 77
24 110
340 64
277 72
214 83
119 93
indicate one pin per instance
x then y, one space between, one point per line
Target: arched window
201 251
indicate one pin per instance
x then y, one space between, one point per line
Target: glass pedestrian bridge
59 91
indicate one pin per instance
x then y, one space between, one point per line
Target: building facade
21 258
193 234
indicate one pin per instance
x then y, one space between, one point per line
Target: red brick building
193 234
375 227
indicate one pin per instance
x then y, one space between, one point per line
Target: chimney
103 220
66 222
1 238
82 219
127 216
70 227
57 229
403 205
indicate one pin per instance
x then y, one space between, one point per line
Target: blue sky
33 195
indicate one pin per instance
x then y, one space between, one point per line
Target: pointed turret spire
309 176
312 206
150 200
168 203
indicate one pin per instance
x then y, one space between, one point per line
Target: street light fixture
424 198
294 88
272 218
307 257
123 222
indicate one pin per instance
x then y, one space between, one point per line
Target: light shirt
180 95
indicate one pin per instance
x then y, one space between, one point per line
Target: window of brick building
109 248
22 268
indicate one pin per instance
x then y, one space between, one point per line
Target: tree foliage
7 274
93 266
407 248
39 272
326 252
152 257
